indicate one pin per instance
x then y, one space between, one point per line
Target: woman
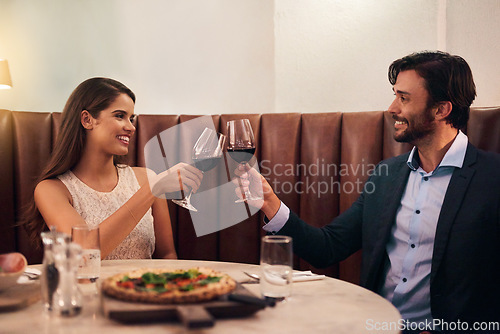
84 184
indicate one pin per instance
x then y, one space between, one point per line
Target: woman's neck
97 171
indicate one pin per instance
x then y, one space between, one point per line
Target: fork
31 276
296 274
254 276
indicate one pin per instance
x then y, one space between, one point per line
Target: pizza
168 286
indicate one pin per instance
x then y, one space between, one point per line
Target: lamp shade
5 81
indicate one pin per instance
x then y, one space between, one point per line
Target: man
430 231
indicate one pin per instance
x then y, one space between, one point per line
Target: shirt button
404 280
417 212
412 245
426 178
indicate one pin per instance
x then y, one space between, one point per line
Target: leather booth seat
316 162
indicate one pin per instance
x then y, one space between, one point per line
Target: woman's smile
124 139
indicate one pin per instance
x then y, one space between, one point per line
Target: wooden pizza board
192 315
19 296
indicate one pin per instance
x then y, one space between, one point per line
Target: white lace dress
95 206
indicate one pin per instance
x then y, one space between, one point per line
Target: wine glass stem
188 197
246 193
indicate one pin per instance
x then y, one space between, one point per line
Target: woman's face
113 127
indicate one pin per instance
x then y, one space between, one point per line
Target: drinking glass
241 147
207 152
276 264
90 266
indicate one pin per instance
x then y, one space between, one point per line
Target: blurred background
238 56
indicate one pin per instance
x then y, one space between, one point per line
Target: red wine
206 164
241 154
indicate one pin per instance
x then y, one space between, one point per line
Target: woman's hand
179 177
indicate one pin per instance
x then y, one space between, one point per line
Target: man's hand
250 180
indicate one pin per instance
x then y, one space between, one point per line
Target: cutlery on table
31 276
298 276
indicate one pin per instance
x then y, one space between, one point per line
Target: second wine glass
207 152
241 147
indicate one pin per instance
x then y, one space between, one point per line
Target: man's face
414 119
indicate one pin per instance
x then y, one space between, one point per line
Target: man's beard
417 128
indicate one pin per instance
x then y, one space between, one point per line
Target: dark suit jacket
465 275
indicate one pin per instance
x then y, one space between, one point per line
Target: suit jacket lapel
392 197
452 201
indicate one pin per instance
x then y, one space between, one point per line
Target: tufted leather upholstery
334 150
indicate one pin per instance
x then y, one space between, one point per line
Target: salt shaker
49 279
67 299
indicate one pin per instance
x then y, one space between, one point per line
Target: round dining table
325 305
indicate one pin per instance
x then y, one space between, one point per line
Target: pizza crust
208 292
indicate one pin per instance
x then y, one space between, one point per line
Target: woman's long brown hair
93 95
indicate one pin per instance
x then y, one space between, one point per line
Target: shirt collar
454 157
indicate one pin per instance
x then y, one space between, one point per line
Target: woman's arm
54 202
164 246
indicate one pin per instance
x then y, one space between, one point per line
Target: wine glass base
185 204
251 198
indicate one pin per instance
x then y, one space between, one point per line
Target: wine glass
241 147
207 152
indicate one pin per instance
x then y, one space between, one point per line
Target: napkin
303 276
23 279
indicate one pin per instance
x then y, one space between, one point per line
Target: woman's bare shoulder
142 174
50 184
52 187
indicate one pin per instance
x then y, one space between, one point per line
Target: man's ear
444 110
87 120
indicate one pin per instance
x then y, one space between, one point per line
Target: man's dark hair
447 78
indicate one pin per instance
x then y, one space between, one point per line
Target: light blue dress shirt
410 246
279 219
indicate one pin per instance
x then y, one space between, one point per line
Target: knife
245 298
